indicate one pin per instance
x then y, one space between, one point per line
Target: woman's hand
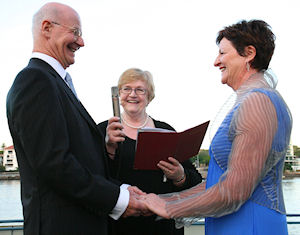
173 170
114 134
156 204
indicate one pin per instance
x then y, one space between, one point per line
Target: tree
2 168
2 148
296 150
287 166
202 157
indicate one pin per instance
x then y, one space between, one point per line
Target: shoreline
288 174
7 175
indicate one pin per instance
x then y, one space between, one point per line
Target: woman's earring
247 66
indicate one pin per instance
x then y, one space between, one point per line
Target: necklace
136 127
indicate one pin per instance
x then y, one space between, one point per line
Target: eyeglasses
76 31
138 90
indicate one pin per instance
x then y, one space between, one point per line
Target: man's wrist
122 202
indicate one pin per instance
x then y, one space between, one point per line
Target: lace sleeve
256 123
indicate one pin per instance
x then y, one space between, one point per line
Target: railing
16 225
293 222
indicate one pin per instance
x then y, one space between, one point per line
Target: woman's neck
135 117
135 121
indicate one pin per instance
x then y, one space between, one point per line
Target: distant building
10 159
292 159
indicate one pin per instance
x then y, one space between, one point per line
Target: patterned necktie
68 79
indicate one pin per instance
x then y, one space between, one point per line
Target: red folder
155 145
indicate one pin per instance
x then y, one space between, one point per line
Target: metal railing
14 225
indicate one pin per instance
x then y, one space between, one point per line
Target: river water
10 204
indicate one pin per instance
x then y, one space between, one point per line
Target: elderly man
66 187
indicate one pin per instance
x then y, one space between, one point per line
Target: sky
172 39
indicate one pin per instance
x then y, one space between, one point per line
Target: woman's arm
256 124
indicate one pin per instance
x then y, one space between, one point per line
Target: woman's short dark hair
254 32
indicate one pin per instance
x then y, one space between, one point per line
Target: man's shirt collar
52 62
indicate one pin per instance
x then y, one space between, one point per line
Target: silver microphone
115 101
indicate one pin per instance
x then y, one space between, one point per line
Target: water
11 208
10 200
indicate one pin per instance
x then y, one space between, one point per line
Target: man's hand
136 207
135 191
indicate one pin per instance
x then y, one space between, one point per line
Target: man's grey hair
46 12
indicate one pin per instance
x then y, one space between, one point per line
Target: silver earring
247 66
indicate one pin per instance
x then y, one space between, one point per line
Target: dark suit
64 178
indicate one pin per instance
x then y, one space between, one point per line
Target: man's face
65 39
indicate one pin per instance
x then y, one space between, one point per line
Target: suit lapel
61 83
77 104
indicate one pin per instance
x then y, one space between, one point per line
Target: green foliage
2 168
202 157
3 146
296 150
287 166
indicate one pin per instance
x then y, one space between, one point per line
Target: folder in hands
155 144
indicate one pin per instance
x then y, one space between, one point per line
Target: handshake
144 204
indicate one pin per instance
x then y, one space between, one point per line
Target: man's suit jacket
65 182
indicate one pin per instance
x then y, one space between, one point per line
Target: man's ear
250 52
46 28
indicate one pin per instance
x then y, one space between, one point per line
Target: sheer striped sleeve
254 124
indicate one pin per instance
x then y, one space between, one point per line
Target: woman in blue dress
243 191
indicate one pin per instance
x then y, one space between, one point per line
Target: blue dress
259 215
250 219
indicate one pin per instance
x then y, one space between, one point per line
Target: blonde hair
135 74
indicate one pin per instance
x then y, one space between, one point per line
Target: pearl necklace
136 127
